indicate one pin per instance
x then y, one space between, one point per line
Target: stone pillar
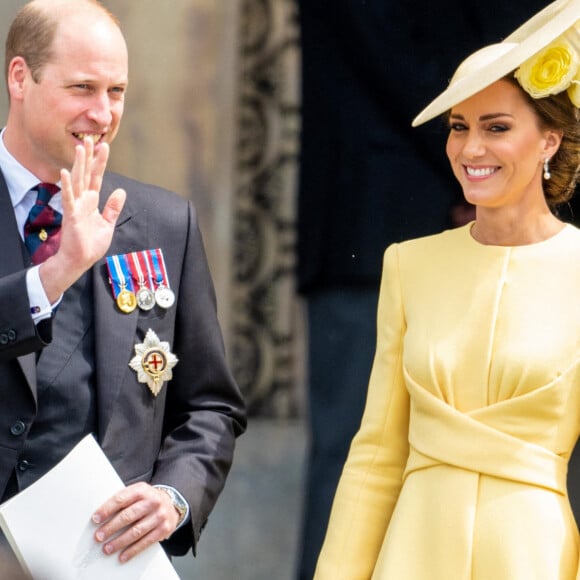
267 317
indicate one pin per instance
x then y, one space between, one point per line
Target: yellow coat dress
458 471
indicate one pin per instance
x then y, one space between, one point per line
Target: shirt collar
18 179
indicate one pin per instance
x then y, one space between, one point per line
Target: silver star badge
153 362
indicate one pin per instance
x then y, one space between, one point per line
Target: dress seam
495 318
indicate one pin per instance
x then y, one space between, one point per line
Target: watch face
178 503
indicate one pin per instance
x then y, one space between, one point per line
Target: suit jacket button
23 465
17 428
3 338
11 335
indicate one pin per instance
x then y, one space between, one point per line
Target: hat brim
492 63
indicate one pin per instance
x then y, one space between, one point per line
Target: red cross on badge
153 362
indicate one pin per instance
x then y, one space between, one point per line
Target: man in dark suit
369 179
147 377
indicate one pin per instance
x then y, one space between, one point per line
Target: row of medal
139 279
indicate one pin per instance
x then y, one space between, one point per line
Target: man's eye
117 93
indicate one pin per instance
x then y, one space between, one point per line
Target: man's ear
16 76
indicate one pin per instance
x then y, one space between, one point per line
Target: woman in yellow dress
458 471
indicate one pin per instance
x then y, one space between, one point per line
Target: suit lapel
114 331
70 325
13 261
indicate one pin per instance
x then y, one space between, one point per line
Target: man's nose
100 109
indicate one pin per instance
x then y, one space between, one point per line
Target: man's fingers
142 543
125 498
66 191
114 205
78 171
97 167
89 146
131 534
112 506
134 519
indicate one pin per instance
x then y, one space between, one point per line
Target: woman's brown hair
558 113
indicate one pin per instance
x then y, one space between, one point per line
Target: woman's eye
457 127
498 128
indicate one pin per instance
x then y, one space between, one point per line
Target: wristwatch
178 502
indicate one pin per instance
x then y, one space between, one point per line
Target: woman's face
497 149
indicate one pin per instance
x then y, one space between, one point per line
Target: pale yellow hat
544 53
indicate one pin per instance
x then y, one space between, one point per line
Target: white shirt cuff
40 307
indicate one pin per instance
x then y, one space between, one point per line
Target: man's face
79 93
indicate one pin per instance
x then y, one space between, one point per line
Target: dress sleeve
371 479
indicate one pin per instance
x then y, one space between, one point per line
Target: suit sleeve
204 410
18 333
372 475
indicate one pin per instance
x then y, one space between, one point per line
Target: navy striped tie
42 228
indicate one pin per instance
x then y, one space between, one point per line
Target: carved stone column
266 316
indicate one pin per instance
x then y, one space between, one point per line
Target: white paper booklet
50 529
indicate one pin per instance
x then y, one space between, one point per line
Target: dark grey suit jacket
185 436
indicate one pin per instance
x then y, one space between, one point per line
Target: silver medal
165 297
145 298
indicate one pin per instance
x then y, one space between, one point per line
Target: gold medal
126 301
122 286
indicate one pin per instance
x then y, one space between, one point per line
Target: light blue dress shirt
20 182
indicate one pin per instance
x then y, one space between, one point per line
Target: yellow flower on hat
551 71
574 90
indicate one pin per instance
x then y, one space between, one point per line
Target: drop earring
547 174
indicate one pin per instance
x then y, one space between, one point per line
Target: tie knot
45 192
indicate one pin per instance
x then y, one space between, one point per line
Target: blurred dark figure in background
368 180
